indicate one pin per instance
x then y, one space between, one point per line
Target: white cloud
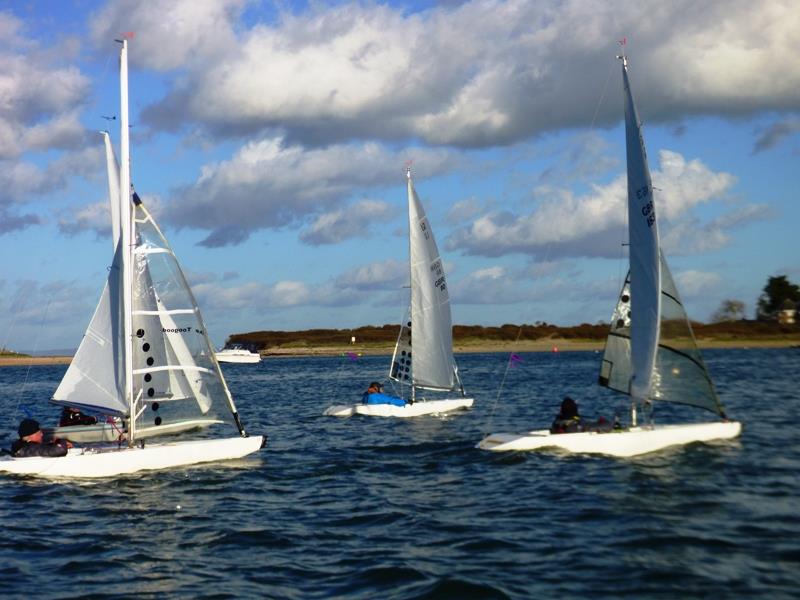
385 275
360 220
170 34
270 185
694 284
463 210
93 217
466 75
691 236
592 224
490 285
38 103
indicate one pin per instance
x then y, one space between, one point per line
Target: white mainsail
431 363
651 352
645 267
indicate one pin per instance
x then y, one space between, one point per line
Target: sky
270 139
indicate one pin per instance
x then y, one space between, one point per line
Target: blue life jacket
378 398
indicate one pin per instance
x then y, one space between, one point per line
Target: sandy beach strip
549 345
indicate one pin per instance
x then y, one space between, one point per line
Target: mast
126 237
645 263
409 186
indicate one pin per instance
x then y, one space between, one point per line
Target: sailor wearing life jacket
375 395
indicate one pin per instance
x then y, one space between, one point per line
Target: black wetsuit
23 449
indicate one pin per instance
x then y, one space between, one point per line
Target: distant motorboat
237 354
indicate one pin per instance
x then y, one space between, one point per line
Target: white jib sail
112 167
645 268
433 365
93 379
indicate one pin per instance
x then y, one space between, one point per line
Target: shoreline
550 345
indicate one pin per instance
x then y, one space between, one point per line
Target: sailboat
650 353
146 357
431 366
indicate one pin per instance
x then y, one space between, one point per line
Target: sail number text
648 210
424 226
436 269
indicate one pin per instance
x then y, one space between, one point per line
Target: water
371 508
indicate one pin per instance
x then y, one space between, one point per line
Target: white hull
109 462
418 409
241 358
106 432
629 442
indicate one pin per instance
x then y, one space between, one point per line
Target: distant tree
777 290
729 310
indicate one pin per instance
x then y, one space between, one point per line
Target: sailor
72 416
568 420
30 442
375 395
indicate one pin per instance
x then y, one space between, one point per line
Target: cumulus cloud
360 220
169 34
463 210
463 75
26 306
691 236
267 184
563 224
39 96
490 285
93 217
385 275
694 284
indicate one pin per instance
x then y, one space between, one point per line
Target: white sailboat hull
625 443
107 432
110 462
418 409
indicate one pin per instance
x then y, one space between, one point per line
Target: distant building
787 312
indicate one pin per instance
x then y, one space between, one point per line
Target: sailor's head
375 386
569 408
29 430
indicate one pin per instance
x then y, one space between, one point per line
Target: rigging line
35 348
603 95
500 389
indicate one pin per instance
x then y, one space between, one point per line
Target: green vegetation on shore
6 353
464 335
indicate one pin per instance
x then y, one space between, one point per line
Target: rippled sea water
381 508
